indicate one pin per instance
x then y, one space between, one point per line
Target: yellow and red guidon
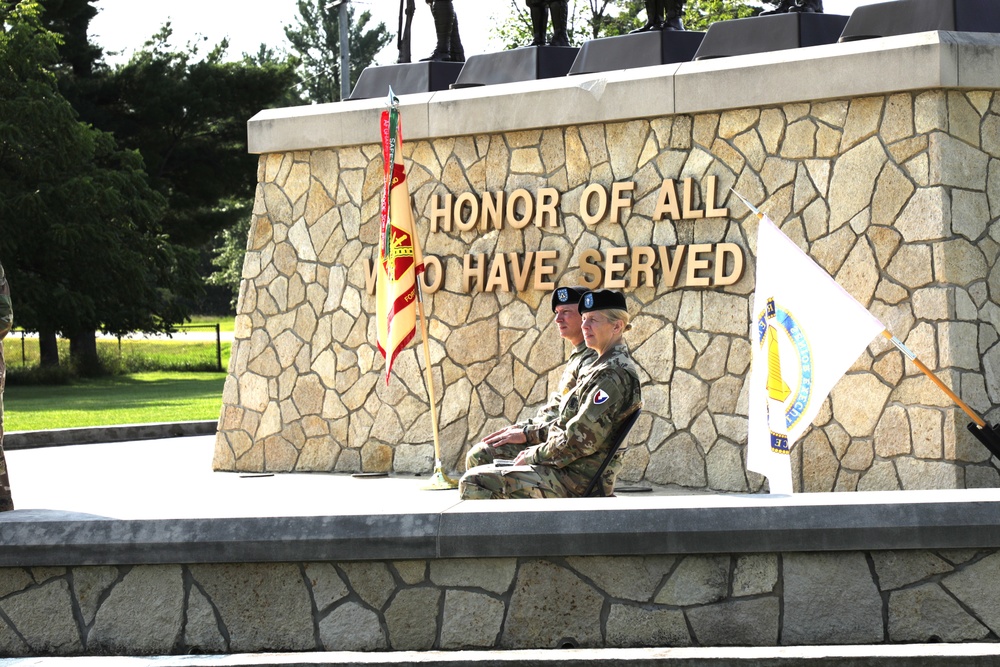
399 260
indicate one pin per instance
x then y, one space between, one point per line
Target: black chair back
595 483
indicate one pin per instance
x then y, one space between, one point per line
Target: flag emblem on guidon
399 259
806 332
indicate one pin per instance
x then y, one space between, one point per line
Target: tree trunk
48 350
83 353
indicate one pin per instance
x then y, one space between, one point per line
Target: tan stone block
880 477
858 401
925 429
958 262
862 122
749 144
223 458
728 155
771 128
805 192
892 434
897 121
853 181
930 112
828 142
926 216
800 140
958 345
932 303
777 173
860 455
831 250
815 219
732 123
892 191
956 163
832 113
625 143
911 266
963 119
724 394
819 465
919 169
711 363
860 274
970 213
253 391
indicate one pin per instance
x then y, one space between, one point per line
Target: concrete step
900 655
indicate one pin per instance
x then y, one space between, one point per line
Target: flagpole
926 371
439 480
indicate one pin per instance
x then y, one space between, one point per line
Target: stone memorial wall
755 599
895 194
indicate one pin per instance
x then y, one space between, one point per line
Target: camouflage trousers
489 481
6 500
482 454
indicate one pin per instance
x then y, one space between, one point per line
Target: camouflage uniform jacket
589 416
536 429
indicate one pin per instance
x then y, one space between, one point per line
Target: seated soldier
510 440
590 415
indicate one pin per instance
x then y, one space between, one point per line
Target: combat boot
560 17
539 23
444 20
654 16
783 7
809 6
674 14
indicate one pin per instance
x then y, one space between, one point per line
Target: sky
124 25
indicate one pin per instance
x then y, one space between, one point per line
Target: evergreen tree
316 39
81 237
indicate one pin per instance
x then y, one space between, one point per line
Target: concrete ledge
833 71
909 655
619 526
94 434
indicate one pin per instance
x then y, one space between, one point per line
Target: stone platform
138 548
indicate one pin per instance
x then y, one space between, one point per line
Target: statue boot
539 23
674 15
783 7
560 17
445 24
809 7
654 16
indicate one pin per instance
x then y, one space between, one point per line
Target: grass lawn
139 398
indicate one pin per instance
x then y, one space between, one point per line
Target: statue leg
457 50
444 19
560 17
675 12
539 22
654 16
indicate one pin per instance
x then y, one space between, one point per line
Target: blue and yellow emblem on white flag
807 331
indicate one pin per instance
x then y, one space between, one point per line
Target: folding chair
595 483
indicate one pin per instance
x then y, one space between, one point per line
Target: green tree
187 117
315 37
81 234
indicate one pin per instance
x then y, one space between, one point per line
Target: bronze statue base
640 49
528 63
903 17
405 79
760 34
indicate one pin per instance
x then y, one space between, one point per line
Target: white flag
806 332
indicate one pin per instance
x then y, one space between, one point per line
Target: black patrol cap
567 296
602 299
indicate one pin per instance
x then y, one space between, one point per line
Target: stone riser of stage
886 568
879 157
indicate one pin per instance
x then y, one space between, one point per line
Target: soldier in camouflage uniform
6 322
589 416
509 441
